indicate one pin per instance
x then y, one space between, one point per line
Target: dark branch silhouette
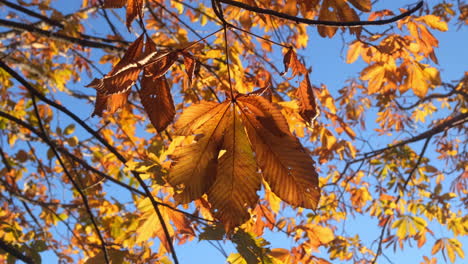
296 19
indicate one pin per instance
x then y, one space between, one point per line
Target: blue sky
326 58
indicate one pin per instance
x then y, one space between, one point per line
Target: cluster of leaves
220 136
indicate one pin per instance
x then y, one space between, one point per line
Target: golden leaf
237 180
434 22
193 170
375 74
353 52
150 226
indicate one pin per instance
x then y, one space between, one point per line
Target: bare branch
270 12
15 252
59 36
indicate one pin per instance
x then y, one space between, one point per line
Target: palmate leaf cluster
210 125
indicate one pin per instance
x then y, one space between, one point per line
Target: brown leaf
110 102
190 65
307 104
157 100
237 181
291 62
114 3
327 15
124 74
266 114
160 61
285 164
134 9
264 92
346 13
363 5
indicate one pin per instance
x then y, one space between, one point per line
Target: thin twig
408 179
72 180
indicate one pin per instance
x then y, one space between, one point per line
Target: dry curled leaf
307 104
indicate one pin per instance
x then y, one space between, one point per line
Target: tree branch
15 252
29 12
59 36
295 19
408 179
84 198
455 121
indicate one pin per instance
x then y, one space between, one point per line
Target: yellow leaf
434 22
375 74
353 52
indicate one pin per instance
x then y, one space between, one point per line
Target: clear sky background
326 56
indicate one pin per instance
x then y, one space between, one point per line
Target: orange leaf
110 102
363 5
327 15
308 107
237 181
193 170
285 164
134 9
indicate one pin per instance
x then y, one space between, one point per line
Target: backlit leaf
193 170
237 180
157 100
124 74
307 104
134 9
291 61
285 165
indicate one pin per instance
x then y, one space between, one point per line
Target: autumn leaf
193 170
220 162
157 100
285 165
237 180
190 66
114 3
110 102
339 10
363 5
291 61
156 95
124 74
150 225
307 104
134 9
